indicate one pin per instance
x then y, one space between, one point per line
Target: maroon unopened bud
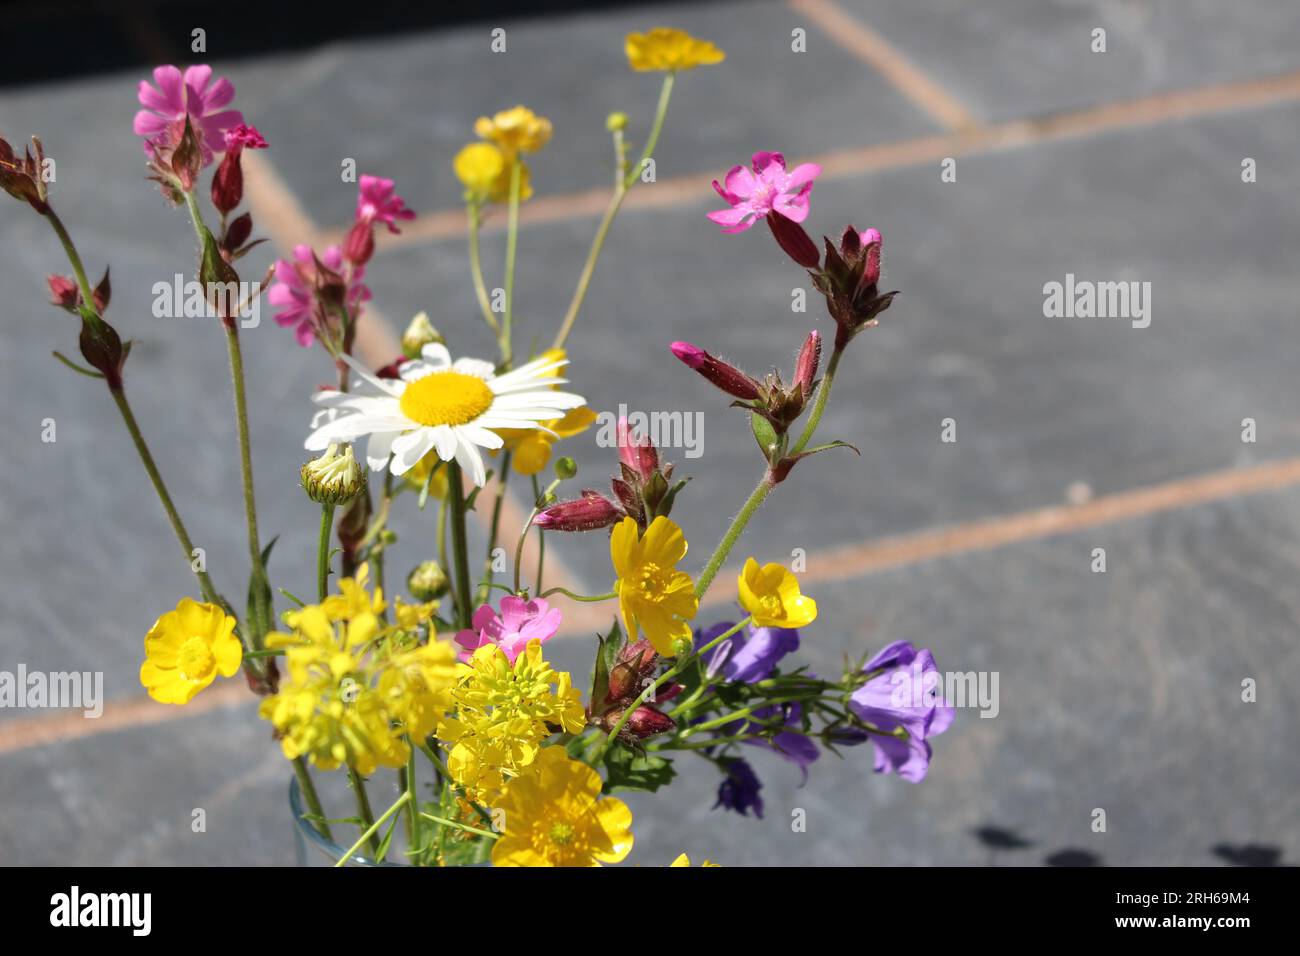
792 238
237 233
23 178
722 374
63 292
805 367
393 369
587 513
103 293
635 452
187 157
228 183
872 242
647 722
265 684
359 245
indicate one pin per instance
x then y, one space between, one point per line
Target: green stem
408 781
460 826
308 790
70 248
493 534
623 182
819 403
323 552
459 545
751 505
363 808
372 833
585 598
512 242
151 468
476 270
541 540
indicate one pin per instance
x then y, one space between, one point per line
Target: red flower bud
63 292
587 513
722 374
636 453
647 722
359 245
228 182
805 367
792 238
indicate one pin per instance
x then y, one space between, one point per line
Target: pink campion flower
245 137
767 189
378 202
196 93
519 622
297 292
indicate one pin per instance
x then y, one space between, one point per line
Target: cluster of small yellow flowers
530 448
502 714
485 168
354 685
665 49
554 815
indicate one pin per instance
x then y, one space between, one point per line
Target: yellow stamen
196 660
446 398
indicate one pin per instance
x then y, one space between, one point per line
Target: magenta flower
378 202
196 93
519 622
767 189
298 288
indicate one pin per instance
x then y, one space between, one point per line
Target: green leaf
606 655
424 490
628 770
765 435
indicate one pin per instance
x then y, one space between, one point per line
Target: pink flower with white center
519 622
296 290
194 93
767 189
378 202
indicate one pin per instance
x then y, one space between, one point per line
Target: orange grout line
835 564
887 60
858 560
856 161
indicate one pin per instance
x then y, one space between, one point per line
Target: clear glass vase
313 848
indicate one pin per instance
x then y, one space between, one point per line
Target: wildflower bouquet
446 691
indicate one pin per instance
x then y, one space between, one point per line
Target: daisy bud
419 334
428 582
333 479
805 367
587 513
725 376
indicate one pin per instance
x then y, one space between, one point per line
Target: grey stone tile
1016 58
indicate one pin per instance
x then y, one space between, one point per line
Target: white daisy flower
439 404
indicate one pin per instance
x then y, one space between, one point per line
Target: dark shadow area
65 39
1072 856
1248 854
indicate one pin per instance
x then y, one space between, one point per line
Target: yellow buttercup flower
771 595
652 593
353 686
503 713
514 131
186 649
555 816
485 172
530 448
665 48
684 860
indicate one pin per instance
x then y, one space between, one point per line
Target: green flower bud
419 334
428 582
615 122
333 478
565 467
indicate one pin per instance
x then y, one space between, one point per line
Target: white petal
476 367
436 354
408 449
472 462
479 435
375 382
379 449
444 440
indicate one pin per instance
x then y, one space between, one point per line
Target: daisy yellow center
561 834
446 398
195 660
653 581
